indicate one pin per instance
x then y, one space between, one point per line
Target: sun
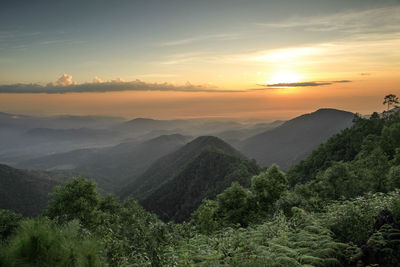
283 77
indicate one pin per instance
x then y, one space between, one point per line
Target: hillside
170 164
24 192
376 131
210 173
176 184
295 139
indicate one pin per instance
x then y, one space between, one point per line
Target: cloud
365 74
65 85
117 80
64 80
189 40
97 80
302 84
376 20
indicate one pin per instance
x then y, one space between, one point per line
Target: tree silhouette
390 100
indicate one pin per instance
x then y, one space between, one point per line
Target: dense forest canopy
338 207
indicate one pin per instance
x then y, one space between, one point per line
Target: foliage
353 220
41 242
78 199
205 218
268 187
131 234
233 204
278 242
9 221
390 99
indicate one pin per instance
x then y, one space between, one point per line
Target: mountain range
169 174
295 139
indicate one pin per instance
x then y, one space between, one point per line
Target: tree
78 199
42 242
205 218
9 222
268 186
339 181
390 100
233 204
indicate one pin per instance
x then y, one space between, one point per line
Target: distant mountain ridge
295 139
114 163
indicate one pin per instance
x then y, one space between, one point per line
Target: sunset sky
181 59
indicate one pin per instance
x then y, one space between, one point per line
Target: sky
181 59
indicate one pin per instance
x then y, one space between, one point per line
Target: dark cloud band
106 87
303 84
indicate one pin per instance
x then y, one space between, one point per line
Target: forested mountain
115 164
295 139
170 165
24 192
363 158
175 185
205 176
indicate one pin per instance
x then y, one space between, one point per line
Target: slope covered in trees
174 186
170 165
295 139
205 176
24 192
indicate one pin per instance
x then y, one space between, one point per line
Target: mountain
235 136
141 126
295 139
80 134
23 137
227 129
24 192
129 160
114 163
174 186
17 121
39 142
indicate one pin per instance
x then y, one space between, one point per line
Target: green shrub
9 221
76 200
41 242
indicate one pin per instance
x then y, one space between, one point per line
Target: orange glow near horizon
364 95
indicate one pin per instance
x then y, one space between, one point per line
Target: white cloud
117 80
97 80
64 80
